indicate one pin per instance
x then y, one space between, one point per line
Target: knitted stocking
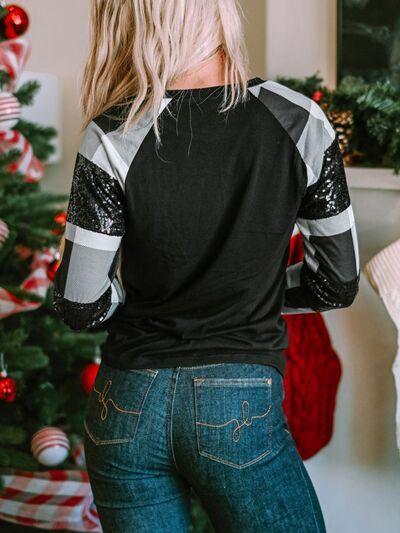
383 273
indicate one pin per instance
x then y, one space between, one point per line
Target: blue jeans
154 435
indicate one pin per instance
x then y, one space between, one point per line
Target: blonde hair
139 47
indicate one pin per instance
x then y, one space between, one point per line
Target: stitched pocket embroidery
116 403
247 420
102 399
233 424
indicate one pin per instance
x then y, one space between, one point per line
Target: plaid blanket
54 499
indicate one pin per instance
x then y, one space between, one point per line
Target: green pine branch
14 458
27 92
12 435
29 358
39 136
376 110
306 85
12 339
19 208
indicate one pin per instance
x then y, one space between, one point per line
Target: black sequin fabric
81 316
96 200
326 293
329 196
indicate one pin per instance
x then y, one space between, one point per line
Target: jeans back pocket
115 404
233 422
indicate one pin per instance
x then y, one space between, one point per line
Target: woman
187 185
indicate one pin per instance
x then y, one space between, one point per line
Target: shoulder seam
308 137
292 141
115 150
94 148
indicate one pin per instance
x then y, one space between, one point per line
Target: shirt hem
275 358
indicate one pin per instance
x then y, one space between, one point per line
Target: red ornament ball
15 23
317 96
88 376
60 220
8 389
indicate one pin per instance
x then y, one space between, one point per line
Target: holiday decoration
310 359
4 232
365 116
78 454
343 123
7 384
27 164
88 375
10 111
50 446
60 220
7 387
50 500
13 56
383 273
15 23
317 96
52 268
36 283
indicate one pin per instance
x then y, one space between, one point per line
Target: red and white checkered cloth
37 282
55 499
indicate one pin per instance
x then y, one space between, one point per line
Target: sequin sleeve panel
328 277
87 288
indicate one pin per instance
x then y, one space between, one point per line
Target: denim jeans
154 435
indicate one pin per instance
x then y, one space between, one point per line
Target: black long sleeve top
180 251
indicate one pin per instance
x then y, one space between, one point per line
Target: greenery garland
375 110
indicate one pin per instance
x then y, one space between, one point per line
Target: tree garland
365 115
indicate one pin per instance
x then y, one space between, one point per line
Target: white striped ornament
50 446
10 111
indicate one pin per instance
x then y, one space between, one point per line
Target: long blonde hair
139 47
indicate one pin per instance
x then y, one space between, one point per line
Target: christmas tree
46 369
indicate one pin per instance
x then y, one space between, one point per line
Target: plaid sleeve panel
328 277
87 290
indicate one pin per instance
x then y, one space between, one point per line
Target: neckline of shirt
206 91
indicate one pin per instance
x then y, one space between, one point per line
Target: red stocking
312 376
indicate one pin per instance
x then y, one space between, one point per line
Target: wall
301 39
58 35
357 475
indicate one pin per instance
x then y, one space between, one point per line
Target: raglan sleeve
328 277
87 288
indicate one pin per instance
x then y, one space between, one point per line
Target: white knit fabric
383 273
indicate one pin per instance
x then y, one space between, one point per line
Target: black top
180 251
